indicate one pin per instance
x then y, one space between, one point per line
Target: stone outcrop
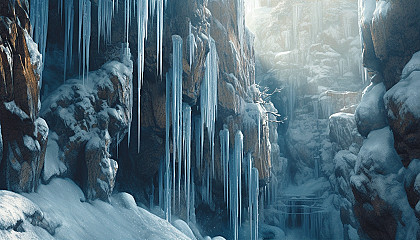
343 130
24 133
89 119
403 104
371 114
391 37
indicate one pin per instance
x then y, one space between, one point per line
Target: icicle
186 114
235 184
177 105
192 45
259 133
224 146
253 196
159 32
39 20
167 186
208 98
105 14
68 34
86 7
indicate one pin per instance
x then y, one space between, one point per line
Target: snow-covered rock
381 203
370 114
83 112
343 130
403 104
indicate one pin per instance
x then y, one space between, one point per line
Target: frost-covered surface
62 204
366 10
36 57
405 94
378 154
53 166
370 114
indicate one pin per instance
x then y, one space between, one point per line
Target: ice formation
235 185
208 98
68 35
224 146
39 20
186 132
105 15
85 17
253 203
191 44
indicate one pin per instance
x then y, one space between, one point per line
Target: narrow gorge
210 119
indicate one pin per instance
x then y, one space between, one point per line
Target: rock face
402 102
391 35
90 118
343 130
24 133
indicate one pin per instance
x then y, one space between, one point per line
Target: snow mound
378 154
63 203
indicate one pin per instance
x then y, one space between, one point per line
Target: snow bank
63 203
53 166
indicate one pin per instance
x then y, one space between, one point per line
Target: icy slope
62 205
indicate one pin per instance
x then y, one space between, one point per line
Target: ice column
224 146
39 20
208 98
253 206
186 127
235 184
176 105
167 175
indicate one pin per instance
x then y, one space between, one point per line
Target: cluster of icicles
106 10
177 112
179 116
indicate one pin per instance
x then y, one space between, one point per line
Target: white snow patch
53 165
62 202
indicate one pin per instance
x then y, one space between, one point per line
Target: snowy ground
62 203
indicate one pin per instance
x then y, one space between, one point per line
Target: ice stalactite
176 106
235 185
224 146
159 32
68 35
127 15
142 19
208 98
87 17
191 44
60 9
39 20
105 15
197 130
317 19
186 129
253 203
167 174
